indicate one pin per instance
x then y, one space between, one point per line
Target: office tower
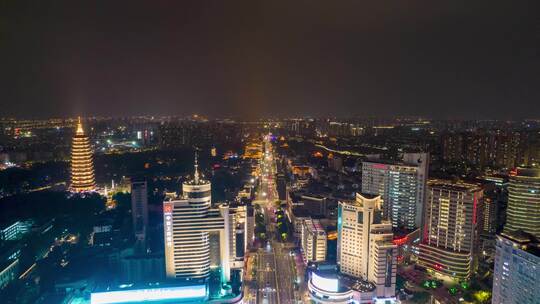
489 225
365 248
82 165
139 208
496 199
516 274
489 212
250 225
401 186
523 210
313 241
453 221
196 235
237 236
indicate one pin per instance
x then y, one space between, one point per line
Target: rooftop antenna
196 175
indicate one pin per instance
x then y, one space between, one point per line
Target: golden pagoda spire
80 130
82 164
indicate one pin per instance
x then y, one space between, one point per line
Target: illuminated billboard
326 284
148 295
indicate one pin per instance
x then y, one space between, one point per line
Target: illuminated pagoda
82 165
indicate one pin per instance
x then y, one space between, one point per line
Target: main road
276 268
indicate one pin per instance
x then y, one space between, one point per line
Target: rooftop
527 242
526 172
455 185
390 163
314 225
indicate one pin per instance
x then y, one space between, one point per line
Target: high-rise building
516 274
453 222
82 165
493 212
197 236
237 236
313 241
500 148
401 186
489 212
139 208
523 212
365 248
250 225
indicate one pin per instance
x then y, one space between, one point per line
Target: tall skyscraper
523 212
82 165
197 236
139 208
365 248
516 275
453 222
401 186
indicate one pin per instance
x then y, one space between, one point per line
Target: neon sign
167 211
401 241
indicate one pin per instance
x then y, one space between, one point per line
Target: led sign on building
146 295
167 210
326 284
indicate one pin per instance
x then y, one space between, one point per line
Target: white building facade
401 186
189 226
313 241
365 248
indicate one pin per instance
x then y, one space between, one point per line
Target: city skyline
257 59
269 152
270 211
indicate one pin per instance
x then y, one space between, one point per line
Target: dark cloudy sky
444 59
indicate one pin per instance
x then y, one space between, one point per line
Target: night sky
440 59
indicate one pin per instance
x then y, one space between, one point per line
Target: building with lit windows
489 212
365 249
313 239
82 164
9 265
15 230
523 211
250 225
197 236
238 239
452 226
516 274
401 186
